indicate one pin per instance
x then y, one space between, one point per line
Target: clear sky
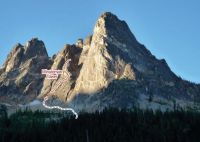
170 29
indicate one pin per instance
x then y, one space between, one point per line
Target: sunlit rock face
69 52
100 66
94 62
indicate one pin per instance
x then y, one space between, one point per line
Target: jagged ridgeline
108 68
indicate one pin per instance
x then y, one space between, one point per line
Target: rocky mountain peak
99 63
112 28
35 47
22 71
14 58
21 54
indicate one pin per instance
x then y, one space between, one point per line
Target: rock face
108 68
21 79
14 58
118 71
101 66
71 52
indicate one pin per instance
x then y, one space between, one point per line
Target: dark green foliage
3 116
111 125
150 98
3 111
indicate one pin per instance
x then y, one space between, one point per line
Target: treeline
111 125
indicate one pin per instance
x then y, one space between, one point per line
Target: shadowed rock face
21 79
20 54
34 48
109 68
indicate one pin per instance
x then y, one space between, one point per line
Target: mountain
21 79
110 68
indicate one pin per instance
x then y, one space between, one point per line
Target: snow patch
34 103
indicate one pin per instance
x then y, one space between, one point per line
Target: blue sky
170 29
